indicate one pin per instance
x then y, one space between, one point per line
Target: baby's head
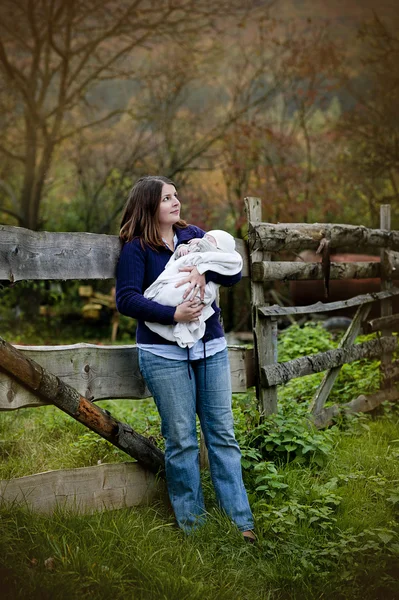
211 239
221 240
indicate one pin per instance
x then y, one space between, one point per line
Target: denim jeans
178 399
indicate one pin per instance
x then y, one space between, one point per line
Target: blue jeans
178 399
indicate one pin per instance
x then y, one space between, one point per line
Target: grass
325 505
138 553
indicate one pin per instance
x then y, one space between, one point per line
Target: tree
274 151
54 57
370 129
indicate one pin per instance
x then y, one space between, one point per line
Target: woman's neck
168 235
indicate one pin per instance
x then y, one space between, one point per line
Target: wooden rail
300 236
295 271
321 307
315 363
85 490
104 372
26 254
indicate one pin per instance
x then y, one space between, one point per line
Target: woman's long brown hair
140 216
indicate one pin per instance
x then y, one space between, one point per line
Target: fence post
264 329
386 284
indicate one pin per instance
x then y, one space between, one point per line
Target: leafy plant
289 434
296 341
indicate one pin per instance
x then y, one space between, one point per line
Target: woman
183 382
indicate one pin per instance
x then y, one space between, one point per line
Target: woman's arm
129 288
226 280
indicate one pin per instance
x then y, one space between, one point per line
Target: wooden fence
266 240
32 376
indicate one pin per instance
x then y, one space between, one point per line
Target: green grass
332 532
325 503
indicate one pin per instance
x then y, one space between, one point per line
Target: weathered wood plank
331 375
321 307
102 372
300 236
293 271
380 323
26 254
307 365
360 404
386 285
392 264
85 490
265 332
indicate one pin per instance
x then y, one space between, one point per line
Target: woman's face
169 207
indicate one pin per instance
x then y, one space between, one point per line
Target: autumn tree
369 129
274 151
54 57
175 120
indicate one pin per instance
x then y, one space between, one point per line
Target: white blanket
164 292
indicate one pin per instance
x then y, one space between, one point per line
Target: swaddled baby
214 252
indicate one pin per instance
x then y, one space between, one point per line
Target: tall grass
348 551
325 506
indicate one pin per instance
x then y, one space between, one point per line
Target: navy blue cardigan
138 268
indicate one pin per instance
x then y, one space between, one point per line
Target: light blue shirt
194 353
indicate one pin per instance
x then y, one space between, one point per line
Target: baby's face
211 239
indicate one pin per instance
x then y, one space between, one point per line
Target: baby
214 252
206 244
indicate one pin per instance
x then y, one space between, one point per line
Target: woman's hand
187 311
196 283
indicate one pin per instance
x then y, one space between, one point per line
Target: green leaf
385 537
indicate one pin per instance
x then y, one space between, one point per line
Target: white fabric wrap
164 292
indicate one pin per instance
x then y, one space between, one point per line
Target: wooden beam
26 254
51 389
104 372
388 323
386 285
84 490
331 375
392 264
300 236
293 271
360 404
264 331
321 307
307 365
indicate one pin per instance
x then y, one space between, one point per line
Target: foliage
325 506
288 435
296 341
322 532
362 376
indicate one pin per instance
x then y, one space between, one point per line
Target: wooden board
100 372
264 331
321 307
26 254
84 490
